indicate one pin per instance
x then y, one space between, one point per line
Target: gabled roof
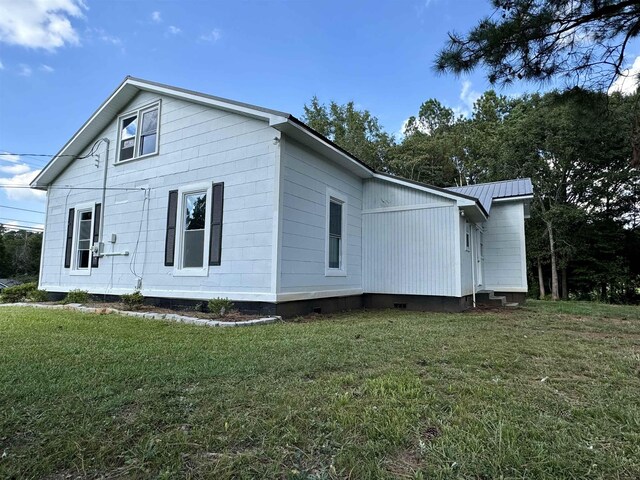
282 121
487 192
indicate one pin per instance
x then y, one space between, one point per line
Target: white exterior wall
410 241
504 248
306 176
198 144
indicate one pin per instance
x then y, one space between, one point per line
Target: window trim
178 269
336 197
138 112
467 236
79 209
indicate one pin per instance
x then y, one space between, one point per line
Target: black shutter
69 246
170 241
215 245
96 233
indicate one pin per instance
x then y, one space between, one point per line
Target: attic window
138 133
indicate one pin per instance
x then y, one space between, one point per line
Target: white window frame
139 112
341 198
178 270
78 209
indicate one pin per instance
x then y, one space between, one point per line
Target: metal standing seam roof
486 192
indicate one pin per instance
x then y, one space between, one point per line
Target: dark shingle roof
486 192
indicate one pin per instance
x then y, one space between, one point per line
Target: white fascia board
37 182
194 97
134 86
513 199
299 133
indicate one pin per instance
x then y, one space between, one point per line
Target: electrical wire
20 162
21 227
68 187
22 209
18 220
49 155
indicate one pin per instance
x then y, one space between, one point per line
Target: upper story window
138 133
335 242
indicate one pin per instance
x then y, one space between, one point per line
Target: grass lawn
360 395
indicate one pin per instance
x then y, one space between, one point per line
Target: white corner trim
277 215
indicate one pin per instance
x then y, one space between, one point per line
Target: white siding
305 179
504 246
412 250
198 144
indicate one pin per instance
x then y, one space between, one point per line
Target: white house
186 196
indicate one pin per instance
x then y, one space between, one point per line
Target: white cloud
628 82
15 169
21 174
102 35
468 96
10 157
174 30
213 36
25 70
46 68
156 16
39 23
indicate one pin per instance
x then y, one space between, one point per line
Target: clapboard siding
504 257
411 252
198 144
382 193
305 178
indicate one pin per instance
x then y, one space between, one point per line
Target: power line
91 152
22 209
68 187
22 227
22 221
36 154
20 162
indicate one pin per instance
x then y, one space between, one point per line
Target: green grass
361 395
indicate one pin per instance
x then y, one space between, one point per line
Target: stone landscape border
172 317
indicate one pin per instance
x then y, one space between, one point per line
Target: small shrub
133 300
18 293
38 296
77 296
220 306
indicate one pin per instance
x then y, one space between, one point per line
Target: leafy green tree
432 148
357 131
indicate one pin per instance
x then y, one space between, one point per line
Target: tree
431 150
573 145
583 41
357 131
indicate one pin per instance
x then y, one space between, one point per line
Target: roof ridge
490 183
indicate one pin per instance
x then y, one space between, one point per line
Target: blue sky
59 59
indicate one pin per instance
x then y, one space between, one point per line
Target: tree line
19 253
577 146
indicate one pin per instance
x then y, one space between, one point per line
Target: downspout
473 265
104 189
